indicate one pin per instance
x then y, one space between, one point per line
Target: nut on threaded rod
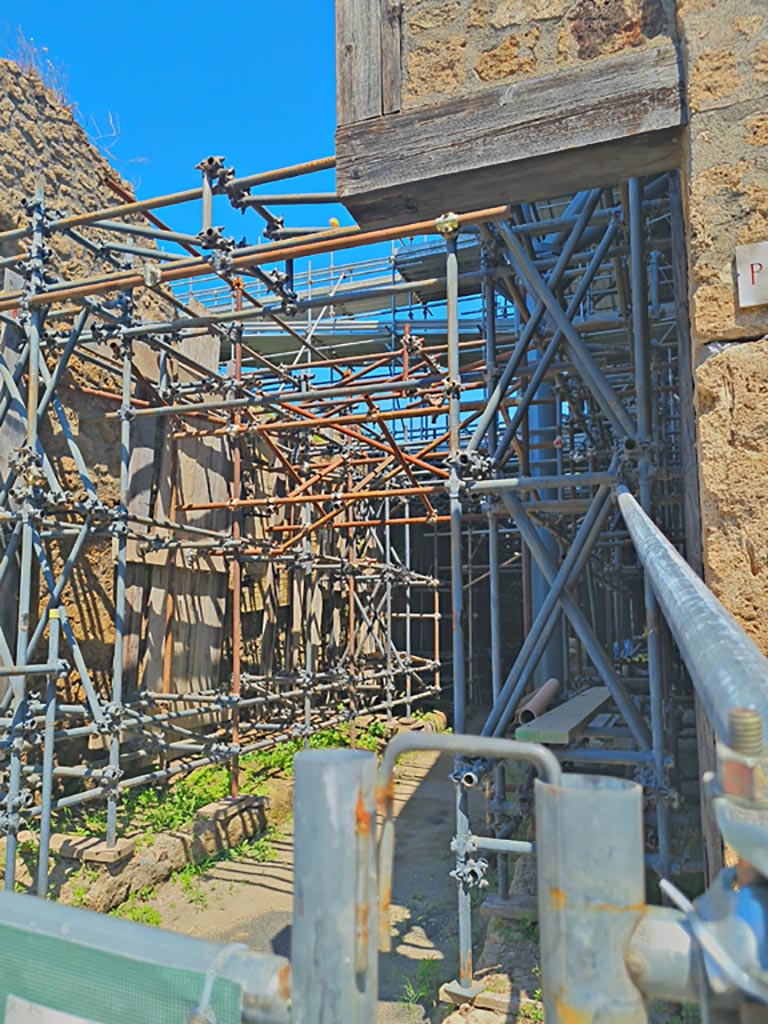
746 731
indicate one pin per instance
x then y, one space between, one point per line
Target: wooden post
358 60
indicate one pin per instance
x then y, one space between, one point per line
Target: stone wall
453 47
732 400
725 49
43 144
724 46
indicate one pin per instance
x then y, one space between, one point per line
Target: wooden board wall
190 590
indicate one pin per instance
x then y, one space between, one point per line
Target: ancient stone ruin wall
453 47
43 144
725 50
732 399
724 46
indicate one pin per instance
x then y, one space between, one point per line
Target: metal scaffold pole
199 437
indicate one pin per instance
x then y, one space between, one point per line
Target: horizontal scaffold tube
176 198
727 668
342 238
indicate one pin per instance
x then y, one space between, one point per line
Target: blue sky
252 82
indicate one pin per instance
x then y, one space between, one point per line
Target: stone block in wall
731 399
517 53
453 49
725 48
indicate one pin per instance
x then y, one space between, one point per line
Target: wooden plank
198 627
391 56
537 138
566 722
358 60
187 471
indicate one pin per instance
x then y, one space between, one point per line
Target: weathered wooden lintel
368 59
535 139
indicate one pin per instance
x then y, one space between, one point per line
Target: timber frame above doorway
543 136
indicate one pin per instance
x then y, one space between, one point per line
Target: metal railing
728 670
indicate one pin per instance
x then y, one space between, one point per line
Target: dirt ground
243 900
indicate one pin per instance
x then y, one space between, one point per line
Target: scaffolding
335 483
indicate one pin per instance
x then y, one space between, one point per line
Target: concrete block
505 1003
89 848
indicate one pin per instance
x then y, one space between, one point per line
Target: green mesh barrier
106 987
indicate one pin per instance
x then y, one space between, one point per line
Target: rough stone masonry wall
725 50
42 142
457 47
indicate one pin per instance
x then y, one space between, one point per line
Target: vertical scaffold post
591 896
33 319
334 941
237 568
120 590
641 345
494 570
448 227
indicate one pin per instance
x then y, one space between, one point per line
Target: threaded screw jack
747 736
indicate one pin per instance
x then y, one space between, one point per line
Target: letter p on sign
752 270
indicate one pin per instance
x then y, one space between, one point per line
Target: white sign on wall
752 270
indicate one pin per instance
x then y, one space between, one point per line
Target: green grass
263 849
423 990
189 879
137 908
81 881
171 807
497 984
532 1011
661 1012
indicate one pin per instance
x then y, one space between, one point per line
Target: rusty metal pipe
331 241
538 702
177 198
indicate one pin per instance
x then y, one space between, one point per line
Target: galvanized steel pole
591 893
727 668
333 944
120 592
641 348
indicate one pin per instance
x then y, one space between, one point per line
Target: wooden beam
537 138
391 56
358 60
567 721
